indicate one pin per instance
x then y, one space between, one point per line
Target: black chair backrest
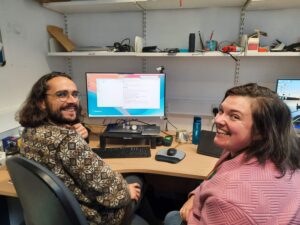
44 197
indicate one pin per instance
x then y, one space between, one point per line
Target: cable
166 127
125 39
166 118
121 47
234 58
212 127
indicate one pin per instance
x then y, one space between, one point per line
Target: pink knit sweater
247 193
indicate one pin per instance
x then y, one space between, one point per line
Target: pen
211 35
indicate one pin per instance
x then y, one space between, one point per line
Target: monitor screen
125 95
289 91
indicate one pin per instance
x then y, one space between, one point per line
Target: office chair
44 197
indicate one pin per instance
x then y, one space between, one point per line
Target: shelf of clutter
165 54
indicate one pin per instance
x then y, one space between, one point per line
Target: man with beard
54 137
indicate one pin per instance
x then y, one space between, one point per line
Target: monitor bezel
125 116
296 124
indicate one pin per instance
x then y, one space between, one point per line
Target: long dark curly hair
30 114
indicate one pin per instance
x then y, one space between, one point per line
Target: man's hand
135 191
186 208
80 129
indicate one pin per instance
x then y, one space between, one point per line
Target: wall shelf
190 54
93 6
99 53
283 54
92 53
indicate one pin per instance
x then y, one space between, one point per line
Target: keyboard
123 152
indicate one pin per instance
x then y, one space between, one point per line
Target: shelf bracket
241 32
237 72
144 60
68 59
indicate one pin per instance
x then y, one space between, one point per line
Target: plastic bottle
196 129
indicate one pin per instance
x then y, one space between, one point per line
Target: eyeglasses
64 95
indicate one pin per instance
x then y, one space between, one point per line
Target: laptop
206 144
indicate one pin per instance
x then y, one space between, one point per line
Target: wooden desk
192 166
6 187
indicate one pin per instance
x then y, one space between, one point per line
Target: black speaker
159 141
192 42
206 144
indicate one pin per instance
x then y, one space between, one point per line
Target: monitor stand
144 129
121 138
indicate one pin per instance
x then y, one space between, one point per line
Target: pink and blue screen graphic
289 91
125 95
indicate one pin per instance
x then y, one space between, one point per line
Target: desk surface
6 187
192 166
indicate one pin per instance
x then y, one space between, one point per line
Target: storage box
9 142
253 44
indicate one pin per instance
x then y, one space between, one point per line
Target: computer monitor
125 94
289 91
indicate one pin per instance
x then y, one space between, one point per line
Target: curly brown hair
30 114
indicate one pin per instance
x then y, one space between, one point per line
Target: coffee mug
211 45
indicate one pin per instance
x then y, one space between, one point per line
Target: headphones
120 47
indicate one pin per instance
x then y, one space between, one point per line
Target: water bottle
196 129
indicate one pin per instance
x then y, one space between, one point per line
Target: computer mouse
171 151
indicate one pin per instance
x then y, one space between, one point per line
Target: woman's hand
135 191
186 208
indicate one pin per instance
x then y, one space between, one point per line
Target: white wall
23 26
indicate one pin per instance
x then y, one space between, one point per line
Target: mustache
70 106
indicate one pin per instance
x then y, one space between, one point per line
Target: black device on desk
124 152
148 133
167 140
170 155
206 144
133 129
122 128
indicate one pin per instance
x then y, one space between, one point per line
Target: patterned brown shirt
102 193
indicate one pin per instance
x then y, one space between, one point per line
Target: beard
57 115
